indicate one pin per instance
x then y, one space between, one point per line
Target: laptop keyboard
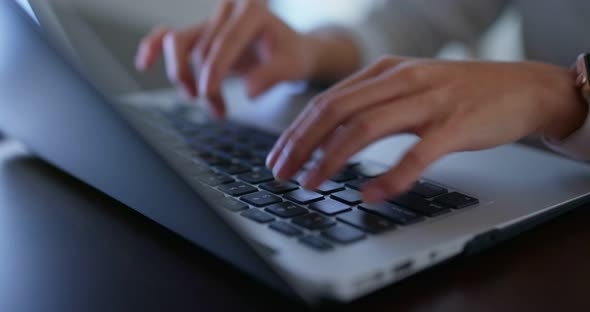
334 215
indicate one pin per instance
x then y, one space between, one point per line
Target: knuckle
320 98
384 62
327 108
363 125
321 107
412 72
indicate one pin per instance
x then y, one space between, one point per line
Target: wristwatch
582 71
577 145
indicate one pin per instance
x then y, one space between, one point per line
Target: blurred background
120 24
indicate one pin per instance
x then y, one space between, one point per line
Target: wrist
569 115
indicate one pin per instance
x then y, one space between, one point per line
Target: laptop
206 181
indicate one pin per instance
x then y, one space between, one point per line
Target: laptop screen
27 7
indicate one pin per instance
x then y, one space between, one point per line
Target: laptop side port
403 269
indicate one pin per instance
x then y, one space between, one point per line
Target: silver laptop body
133 151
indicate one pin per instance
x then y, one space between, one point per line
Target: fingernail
139 66
280 165
269 157
202 84
374 194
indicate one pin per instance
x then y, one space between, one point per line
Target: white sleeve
422 27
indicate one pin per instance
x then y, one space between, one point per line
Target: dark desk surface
66 247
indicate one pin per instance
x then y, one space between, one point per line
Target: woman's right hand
242 37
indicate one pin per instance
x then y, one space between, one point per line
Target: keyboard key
285 228
314 221
261 199
221 147
258 216
420 205
233 168
215 179
356 184
257 177
344 176
278 187
255 161
209 192
238 153
456 200
329 187
428 190
343 234
286 210
410 200
303 197
367 222
329 207
237 189
316 243
350 197
232 204
211 159
393 213
261 152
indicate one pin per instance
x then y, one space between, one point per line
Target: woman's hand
242 37
245 38
452 106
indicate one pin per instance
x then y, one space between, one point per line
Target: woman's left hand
453 106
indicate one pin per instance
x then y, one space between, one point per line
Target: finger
262 78
433 146
224 11
333 112
215 25
235 36
398 116
364 74
217 106
177 47
150 48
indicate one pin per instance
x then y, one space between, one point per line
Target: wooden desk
67 247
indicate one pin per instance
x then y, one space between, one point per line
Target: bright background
121 23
